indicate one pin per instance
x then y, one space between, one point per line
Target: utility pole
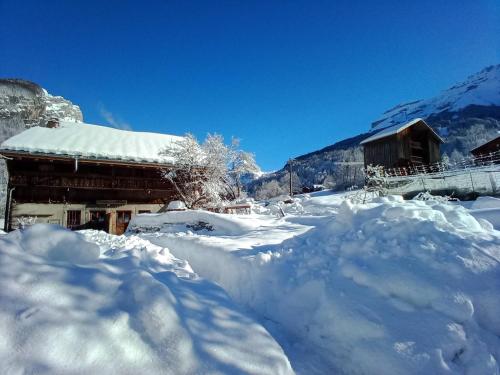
290 170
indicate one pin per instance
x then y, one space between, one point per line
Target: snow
492 215
95 303
61 245
478 89
173 221
391 130
390 286
93 142
457 181
487 208
485 202
335 286
176 205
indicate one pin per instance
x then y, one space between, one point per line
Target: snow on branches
208 173
375 178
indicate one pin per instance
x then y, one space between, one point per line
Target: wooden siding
411 146
434 153
382 152
43 180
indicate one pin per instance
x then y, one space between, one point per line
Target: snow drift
175 221
487 208
388 287
100 304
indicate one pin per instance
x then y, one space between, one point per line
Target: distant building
86 176
487 148
410 144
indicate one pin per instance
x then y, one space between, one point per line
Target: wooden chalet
86 176
490 147
410 144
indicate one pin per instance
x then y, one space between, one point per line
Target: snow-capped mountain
479 90
33 105
465 115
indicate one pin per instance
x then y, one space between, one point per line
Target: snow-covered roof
391 130
93 142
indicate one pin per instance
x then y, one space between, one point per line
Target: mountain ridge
466 115
481 89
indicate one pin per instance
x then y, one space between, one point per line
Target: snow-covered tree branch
208 173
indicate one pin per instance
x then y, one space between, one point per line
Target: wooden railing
89 182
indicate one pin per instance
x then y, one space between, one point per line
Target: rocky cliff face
34 105
24 104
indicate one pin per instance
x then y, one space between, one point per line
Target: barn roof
79 140
391 130
491 142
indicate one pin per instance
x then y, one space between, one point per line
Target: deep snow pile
175 221
118 305
386 287
397 287
487 208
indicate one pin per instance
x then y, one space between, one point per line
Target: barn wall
404 138
397 150
384 152
434 152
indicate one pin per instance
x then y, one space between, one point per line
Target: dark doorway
122 220
98 220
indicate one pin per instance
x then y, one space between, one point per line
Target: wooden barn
410 144
487 148
86 176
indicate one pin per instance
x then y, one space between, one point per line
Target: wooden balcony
88 182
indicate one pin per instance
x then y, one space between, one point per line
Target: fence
468 176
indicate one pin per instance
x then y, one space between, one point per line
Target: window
144 211
73 218
97 216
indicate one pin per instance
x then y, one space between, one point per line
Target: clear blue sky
287 77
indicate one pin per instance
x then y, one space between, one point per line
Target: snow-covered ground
385 287
481 180
93 303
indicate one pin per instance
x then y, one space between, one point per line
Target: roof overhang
395 129
14 154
